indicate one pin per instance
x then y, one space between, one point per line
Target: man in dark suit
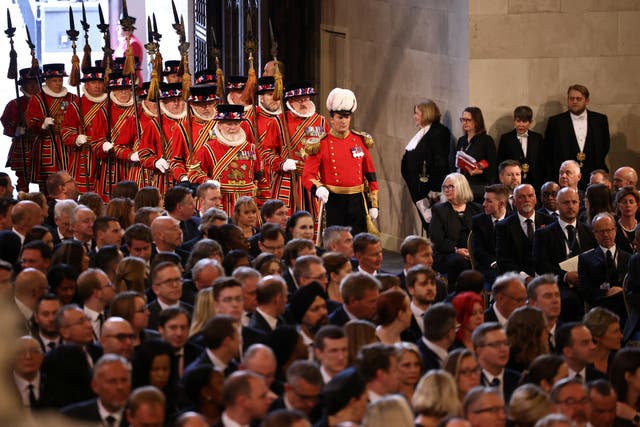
271 294
166 282
422 287
419 250
45 330
167 236
559 241
360 293
514 235
602 269
510 175
330 350
575 343
302 390
26 372
112 385
509 293
492 350
241 407
309 269
173 325
483 236
30 285
577 134
439 335
548 201
523 145
180 205
221 342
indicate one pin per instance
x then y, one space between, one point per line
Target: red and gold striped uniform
19 157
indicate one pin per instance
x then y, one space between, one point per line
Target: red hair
463 303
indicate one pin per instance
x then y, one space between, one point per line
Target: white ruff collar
53 94
94 99
302 116
271 113
181 115
118 103
147 111
246 107
240 139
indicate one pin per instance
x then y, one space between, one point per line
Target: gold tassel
154 85
278 91
251 86
129 66
86 57
220 84
107 74
186 79
74 75
12 74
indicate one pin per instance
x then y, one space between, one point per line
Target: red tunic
127 142
112 168
270 134
238 169
83 164
19 158
44 161
167 145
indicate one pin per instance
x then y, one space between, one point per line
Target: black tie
51 345
571 236
495 382
612 276
551 344
530 230
578 377
33 402
110 420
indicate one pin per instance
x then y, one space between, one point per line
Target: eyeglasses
469 371
490 409
496 344
121 337
305 397
574 402
448 187
465 120
172 281
229 300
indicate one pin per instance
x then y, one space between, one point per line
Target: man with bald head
30 284
167 236
117 337
82 220
260 359
514 234
566 238
24 216
26 371
623 176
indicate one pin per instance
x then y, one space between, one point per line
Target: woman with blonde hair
245 215
462 364
203 310
359 333
426 158
436 397
528 404
391 410
131 274
409 368
450 227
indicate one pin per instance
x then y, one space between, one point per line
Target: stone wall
394 54
529 52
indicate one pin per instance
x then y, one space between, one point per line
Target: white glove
289 165
48 121
322 194
184 179
162 165
107 146
20 131
373 213
135 157
81 140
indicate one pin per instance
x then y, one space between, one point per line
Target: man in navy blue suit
439 335
112 385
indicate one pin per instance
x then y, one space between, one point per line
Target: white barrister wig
342 100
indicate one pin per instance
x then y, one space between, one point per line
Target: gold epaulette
368 139
313 144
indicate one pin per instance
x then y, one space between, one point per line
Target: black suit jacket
510 378
289 280
203 359
155 309
483 245
549 248
260 323
560 144
430 359
513 248
632 292
88 411
432 155
490 315
593 273
510 148
482 147
68 376
339 317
